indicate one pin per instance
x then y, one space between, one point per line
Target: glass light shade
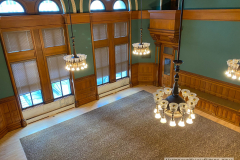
189 121
167 90
157 115
155 110
191 94
157 100
73 63
155 94
193 116
141 49
229 75
185 92
183 107
239 78
233 68
191 104
160 92
181 123
234 77
163 104
173 107
172 123
195 99
163 120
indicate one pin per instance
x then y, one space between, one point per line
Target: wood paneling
77 18
209 85
134 74
105 17
85 90
137 15
10 117
212 14
146 73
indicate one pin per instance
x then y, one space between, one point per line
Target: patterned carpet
127 130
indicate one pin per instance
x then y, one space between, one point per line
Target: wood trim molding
137 14
7 99
212 14
77 18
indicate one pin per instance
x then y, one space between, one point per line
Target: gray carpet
127 130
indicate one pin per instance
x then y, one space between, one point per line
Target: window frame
71 93
31 100
14 13
48 12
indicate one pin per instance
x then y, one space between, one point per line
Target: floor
10 146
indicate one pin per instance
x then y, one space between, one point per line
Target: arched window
48 6
10 6
119 5
97 5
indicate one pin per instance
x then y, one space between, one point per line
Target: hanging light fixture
233 68
169 102
141 48
76 61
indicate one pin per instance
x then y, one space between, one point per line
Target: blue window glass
97 5
48 6
10 6
124 74
103 80
99 81
119 5
121 75
61 88
106 79
30 99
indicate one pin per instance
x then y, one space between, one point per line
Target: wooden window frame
58 3
14 13
109 6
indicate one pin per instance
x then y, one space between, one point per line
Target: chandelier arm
73 41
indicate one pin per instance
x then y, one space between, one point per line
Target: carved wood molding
212 14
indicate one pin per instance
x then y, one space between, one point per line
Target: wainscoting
85 90
218 98
10 118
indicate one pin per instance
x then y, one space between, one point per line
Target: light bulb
82 68
229 75
73 69
163 120
157 115
226 72
68 69
86 66
181 123
155 110
239 78
172 123
189 121
77 69
188 111
193 116
234 77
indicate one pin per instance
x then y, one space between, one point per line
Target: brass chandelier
233 68
76 61
175 102
141 48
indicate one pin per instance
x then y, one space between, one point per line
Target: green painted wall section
6 89
136 25
85 6
211 4
133 5
154 4
83 44
207 45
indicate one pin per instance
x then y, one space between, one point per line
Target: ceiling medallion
170 102
141 48
76 61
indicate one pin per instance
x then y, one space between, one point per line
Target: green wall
83 44
211 4
6 89
207 45
136 25
154 4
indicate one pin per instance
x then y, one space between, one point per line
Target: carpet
127 130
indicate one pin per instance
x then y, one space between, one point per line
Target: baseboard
3 132
14 126
37 118
114 91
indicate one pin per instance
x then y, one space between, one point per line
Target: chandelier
141 48
76 61
170 102
233 68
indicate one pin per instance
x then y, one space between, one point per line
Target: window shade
26 76
53 37
121 57
102 62
17 41
120 29
99 32
56 67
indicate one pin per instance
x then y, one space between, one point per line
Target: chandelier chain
180 31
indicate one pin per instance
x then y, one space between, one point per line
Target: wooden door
167 66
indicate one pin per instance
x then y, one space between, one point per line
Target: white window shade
121 58
99 32
16 41
26 76
120 29
56 67
53 37
102 62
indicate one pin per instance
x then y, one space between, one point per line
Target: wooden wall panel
134 74
85 90
209 85
10 118
146 73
